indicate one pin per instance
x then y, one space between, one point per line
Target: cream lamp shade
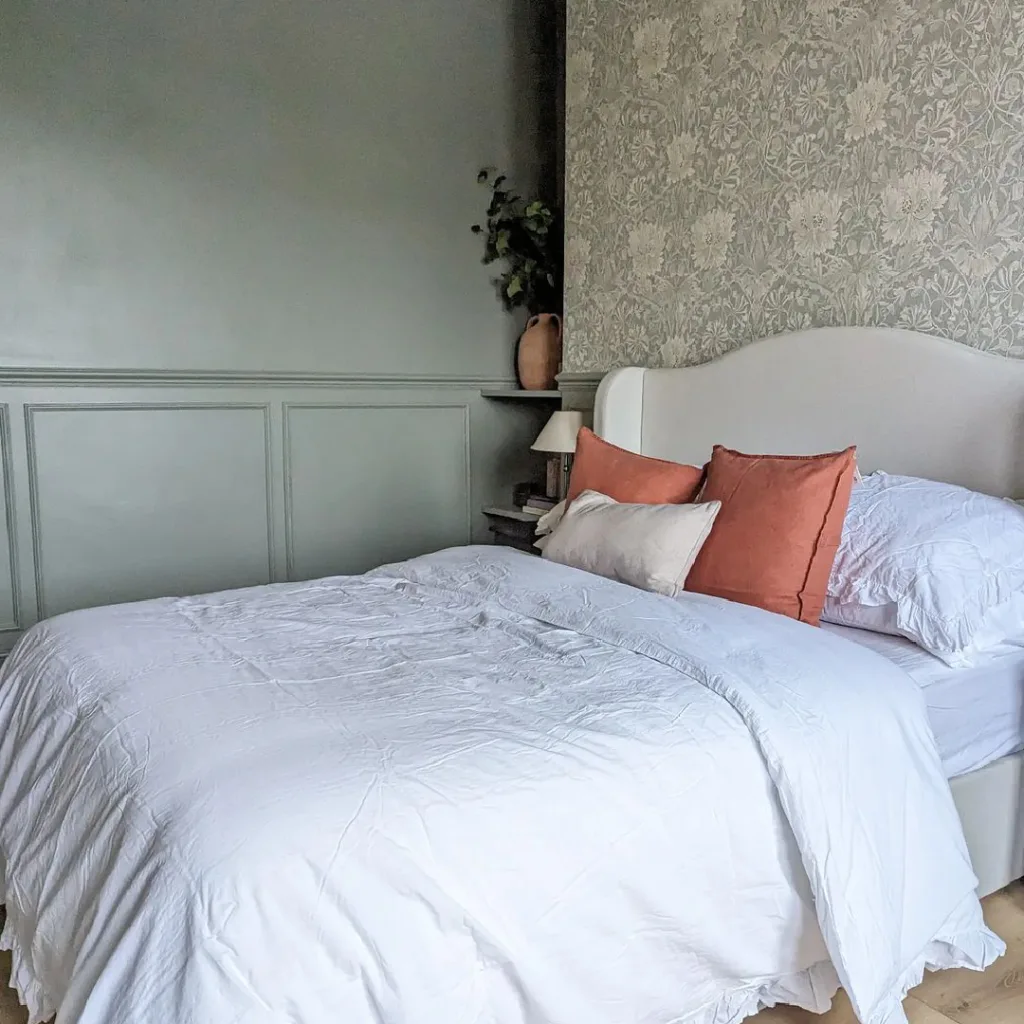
559 433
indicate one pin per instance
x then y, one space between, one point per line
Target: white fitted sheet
976 713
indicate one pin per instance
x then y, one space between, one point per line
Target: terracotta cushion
776 535
628 477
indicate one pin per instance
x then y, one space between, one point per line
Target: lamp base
552 484
559 470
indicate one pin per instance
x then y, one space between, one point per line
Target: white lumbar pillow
550 520
648 546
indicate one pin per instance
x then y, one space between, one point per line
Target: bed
483 787
916 404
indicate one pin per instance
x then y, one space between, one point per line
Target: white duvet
474 787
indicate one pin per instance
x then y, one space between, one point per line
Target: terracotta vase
539 352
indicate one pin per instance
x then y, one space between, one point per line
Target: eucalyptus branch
526 236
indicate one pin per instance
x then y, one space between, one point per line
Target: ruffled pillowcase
938 564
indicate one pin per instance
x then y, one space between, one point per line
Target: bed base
990 802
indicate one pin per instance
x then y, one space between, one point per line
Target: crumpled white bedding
472 787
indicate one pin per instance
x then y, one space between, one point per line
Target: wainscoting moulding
290 408
31 413
44 376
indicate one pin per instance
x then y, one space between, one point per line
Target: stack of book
538 504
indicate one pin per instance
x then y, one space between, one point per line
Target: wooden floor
966 997
11 1011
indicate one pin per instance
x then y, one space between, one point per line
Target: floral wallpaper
740 168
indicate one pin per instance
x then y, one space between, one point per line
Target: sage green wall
243 322
740 169
266 184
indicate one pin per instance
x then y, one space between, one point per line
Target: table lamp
558 438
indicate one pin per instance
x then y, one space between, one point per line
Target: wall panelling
397 474
124 485
166 498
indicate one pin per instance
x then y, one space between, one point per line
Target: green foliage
527 237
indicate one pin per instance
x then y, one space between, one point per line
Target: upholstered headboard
912 404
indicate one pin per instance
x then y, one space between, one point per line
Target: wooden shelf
519 395
509 513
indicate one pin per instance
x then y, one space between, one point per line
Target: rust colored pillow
628 477
775 538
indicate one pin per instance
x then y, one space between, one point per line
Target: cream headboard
912 404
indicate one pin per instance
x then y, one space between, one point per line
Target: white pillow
648 546
938 564
550 519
